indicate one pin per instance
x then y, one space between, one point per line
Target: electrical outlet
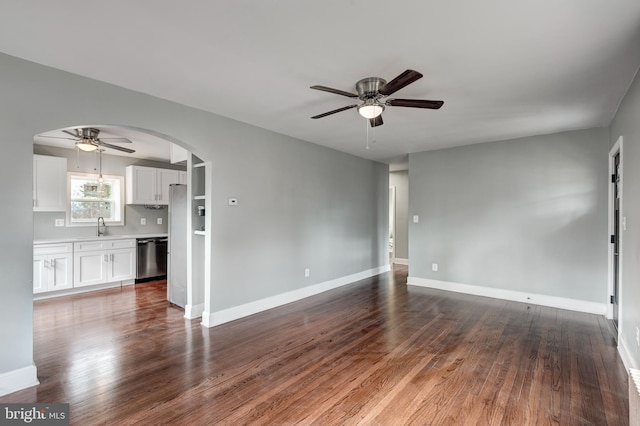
416 218
59 222
143 221
307 272
434 267
159 221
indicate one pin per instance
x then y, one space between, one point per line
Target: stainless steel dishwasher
152 258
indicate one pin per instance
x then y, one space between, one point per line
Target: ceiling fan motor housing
89 133
369 87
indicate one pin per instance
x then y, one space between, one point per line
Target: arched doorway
146 149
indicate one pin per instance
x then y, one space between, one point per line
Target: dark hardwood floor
376 352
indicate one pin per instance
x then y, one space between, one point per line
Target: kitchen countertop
105 237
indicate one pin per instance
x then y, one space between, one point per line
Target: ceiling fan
87 139
373 90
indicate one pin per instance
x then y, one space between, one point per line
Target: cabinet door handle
106 257
46 264
53 263
111 257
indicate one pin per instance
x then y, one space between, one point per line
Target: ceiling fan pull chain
374 135
366 124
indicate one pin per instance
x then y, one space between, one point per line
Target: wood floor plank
372 353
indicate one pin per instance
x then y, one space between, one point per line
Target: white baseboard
623 350
212 319
401 261
193 311
15 380
76 290
206 319
516 296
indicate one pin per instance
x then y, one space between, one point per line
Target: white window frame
119 199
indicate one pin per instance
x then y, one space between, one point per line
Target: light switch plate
416 218
143 221
59 222
434 267
159 221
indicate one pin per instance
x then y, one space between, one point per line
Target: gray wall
44 222
400 180
528 214
627 124
300 205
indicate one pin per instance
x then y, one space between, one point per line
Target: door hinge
611 299
613 178
613 239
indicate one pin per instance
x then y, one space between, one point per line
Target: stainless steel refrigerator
177 251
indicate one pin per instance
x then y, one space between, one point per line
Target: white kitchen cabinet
149 185
103 261
52 267
166 177
141 187
177 154
89 268
49 184
122 264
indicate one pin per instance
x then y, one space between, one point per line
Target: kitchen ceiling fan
87 139
372 91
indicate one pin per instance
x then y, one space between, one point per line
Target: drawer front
39 249
88 246
117 244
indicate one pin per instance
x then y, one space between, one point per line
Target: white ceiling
504 69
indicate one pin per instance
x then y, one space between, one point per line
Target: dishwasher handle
153 240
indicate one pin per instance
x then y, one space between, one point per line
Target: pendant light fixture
100 178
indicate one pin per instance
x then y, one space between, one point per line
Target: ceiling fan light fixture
86 146
370 109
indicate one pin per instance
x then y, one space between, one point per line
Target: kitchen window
90 198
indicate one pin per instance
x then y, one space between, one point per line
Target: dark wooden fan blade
404 79
75 135
336 91
116 140
376 121
116 147
414 103
334 111
57 137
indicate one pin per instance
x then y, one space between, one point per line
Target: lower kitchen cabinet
103 261
52 267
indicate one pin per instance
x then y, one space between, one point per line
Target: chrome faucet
103 226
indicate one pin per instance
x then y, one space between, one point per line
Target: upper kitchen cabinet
149 185
177 154
49 184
